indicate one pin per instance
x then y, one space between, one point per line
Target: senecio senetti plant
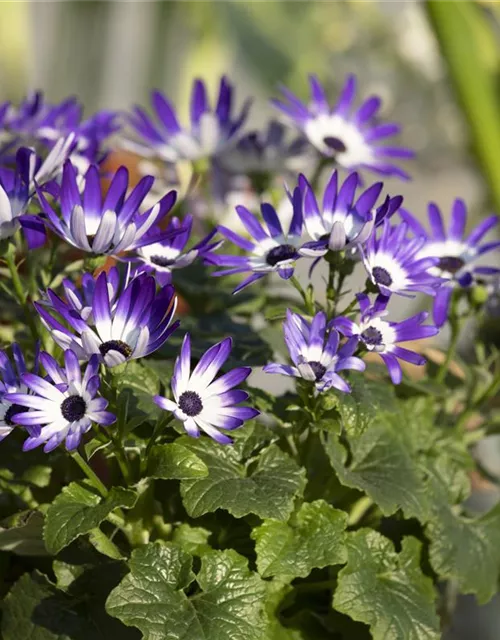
225 411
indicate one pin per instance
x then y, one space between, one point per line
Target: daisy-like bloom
11 382
271 250
352 138
393 262
209 132
105 226
165 256
268 151
201 402
381 336
14 199
456 253
315 352
132 325
342 222
63 405
80 299
37 121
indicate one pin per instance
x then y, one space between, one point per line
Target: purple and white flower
107 226
11 382
210 130
456 254
315 353
63 405
15 197
201 402
394 265
353 139
133 324
268 151
341 222
271 250
382 336
162 257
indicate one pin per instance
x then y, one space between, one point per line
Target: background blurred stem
467 41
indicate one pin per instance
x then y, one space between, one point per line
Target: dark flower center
161 261
190 403
281 253
318 369
73 408
371 336
115 345
382 276
452 264
13 410
335 143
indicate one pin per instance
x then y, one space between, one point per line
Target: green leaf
136 383
35 609
228 604
381 466
386 590
77 510
193 540
175 462
265 485
314 538
25 535
88 585
464 549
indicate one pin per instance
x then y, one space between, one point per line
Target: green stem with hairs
91 475
19 290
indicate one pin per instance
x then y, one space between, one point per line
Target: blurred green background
436 64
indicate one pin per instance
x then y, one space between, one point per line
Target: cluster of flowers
110 319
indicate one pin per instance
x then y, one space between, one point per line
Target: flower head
341 222
393 263
271 249
15 196
209 132
166 255
105 226
63 405
268 151
315 352
456 253
11 382
202 403
352 138
120 326
37 121
382 336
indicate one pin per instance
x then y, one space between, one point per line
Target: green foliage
265 486
78 510
175 462
387 590
314 538
226 604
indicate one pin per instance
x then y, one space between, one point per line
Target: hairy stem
91 475
19 290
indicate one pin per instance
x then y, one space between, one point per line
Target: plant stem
123 462
91 475
358 510
160 425
10 258
455 325
295 282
